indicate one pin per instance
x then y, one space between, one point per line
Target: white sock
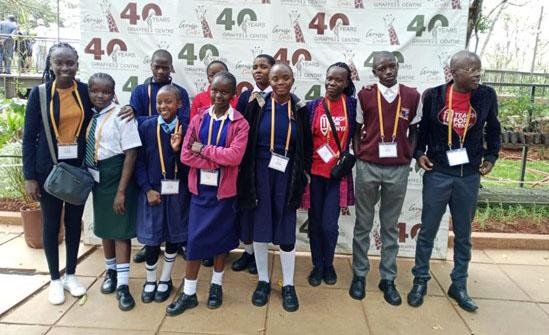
217 277
189 287
261 252
287 260
122 274
169 260
151 276
110 263
249 248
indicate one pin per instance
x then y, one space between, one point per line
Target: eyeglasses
472 71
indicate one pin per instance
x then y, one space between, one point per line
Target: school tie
90 144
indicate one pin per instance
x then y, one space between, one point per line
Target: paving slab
545 307
16 287
485 281
530 257
435 316
93 265
94 331
303 266
7 329
11 228
534 280
404 280
497 317
321 311
15 254
477 256
230 276
101 311
39 311
6 236
237 315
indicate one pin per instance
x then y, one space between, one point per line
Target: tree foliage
29 12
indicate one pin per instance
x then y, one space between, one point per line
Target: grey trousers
378 182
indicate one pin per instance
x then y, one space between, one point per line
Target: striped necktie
90 143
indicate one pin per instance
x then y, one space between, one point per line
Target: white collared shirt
389 93
116 135
222 117
269 89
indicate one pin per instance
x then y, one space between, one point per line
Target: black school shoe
181 304
390 293
208 262
139 256
161 296
261 293
289 299
315 277
215 298
243 262
125 299
330 275
358 287
252 267
418 291
109 284
148 297
462 298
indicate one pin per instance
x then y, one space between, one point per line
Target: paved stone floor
510 286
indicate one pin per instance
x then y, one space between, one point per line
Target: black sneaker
109 284
289 299
215 298
315 277
181 304
243 262
125 299
330 275
261 293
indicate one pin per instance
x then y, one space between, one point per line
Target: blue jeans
461 194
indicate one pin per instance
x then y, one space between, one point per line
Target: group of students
228 169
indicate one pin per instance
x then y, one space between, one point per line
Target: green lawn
507 170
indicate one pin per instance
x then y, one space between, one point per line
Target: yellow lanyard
99 132
289 134
210 129
161 152
149 89
451 120
329 126
380 112
54 125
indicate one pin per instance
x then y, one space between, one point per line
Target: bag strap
44 111
332 125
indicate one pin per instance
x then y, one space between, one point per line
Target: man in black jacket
458 141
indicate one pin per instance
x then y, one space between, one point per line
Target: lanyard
99 132
149 89
380 112
451 119
161 152
289 134
210 129
54 125
330 126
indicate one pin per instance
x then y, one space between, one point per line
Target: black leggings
51 217
153 251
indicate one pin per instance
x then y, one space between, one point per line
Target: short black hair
171 88
379 55
269 58
162 52
225 75
350 89
217 62
284 65
460 55
101 76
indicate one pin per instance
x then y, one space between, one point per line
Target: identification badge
209 177
388 150
94 173
169 187
67 151
325 153
457 157
278 162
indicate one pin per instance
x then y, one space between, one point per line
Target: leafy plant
521 114
12 119
12 173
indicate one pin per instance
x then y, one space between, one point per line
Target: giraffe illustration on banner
434 32
256 51
200 84
299 66
444 60
294 20
201 14
456 4
376 234
208 57
393 37
349 55
106 7
244 25
265 1
337 29
359 4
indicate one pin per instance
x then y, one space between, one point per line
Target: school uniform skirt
166 222
213 227
272 220
106 223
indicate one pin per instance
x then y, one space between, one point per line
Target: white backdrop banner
119 37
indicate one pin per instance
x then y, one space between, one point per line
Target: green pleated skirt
106 223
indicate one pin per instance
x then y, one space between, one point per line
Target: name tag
278 162
67 151
325 153
94 173
457 157
388 150
209 177
169 187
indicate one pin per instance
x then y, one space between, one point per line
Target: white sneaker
56 294
73 286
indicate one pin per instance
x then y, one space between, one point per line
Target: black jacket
247 192
483 137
